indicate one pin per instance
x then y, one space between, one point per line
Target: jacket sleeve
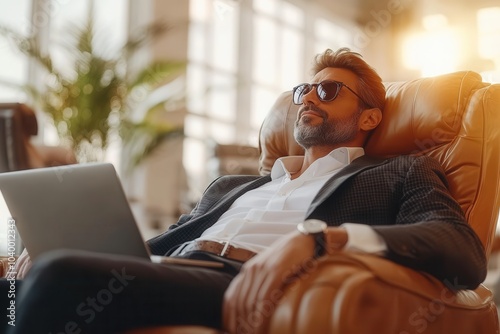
431 233
197 209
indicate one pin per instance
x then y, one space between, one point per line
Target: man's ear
370 119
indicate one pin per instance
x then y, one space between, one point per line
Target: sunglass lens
299 93
327 91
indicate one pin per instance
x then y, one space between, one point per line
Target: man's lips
310 112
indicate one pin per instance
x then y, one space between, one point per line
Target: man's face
329 123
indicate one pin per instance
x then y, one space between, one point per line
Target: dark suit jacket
405 199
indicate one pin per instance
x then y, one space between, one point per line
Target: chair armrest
55 155
360 293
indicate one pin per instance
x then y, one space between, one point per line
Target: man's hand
253 295
21 267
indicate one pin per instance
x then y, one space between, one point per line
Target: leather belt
218 248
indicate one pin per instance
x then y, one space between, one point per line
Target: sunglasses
326 91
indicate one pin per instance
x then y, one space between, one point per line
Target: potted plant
95 95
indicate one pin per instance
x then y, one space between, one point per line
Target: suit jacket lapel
198 225
225 201
356 166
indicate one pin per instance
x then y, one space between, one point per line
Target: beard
329 132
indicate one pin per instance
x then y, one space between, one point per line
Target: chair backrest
454 118
17 124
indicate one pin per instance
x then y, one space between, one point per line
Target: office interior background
239 55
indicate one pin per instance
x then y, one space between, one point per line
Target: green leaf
156 73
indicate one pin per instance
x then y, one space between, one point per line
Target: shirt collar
336 159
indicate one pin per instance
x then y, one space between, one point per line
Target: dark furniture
18 124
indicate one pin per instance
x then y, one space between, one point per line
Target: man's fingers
255 292
229 306
244 311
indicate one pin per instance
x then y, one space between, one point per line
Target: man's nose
310 97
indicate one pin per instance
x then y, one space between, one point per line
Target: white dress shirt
262 215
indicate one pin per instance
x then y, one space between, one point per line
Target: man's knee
56 265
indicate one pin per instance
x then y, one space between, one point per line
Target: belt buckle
224 249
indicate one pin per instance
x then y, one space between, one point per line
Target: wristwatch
315 228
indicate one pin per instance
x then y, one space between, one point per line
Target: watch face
312 226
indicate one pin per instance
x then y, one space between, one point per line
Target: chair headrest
423 113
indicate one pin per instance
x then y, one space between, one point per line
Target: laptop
81 206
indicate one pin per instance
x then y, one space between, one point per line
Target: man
398 208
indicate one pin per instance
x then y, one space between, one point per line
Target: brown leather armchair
454 118
18 123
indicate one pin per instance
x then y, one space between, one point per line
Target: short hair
370 86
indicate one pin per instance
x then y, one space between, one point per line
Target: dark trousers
82 292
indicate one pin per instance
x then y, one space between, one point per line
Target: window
14 69
278 54
212 81
242 55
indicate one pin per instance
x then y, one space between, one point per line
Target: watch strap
319 244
